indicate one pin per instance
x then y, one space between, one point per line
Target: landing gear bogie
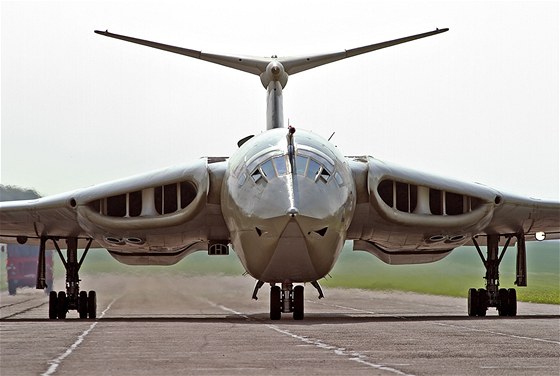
60 303
504 300
72 299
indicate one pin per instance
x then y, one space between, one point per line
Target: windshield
271 165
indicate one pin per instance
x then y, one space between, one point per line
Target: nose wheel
298 303
287 299
275 303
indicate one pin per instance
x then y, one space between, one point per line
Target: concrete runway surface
174 325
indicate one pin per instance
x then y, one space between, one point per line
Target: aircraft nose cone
292 212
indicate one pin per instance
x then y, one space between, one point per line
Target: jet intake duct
148 211
409 198
439 214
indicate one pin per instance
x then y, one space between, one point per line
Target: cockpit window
301 164
313 169
307 163
256 175
325 174
268 169
280 164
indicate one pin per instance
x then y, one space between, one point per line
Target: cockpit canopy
275 163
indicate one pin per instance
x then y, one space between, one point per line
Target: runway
169 325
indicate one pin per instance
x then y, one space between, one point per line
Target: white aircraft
286 201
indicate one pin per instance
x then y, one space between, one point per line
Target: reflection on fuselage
288 214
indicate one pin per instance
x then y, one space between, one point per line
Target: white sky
478 103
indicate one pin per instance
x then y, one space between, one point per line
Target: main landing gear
286 299
71 299
505 300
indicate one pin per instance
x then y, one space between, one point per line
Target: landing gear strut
71 299
505 300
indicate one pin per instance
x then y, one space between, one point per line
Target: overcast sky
478 103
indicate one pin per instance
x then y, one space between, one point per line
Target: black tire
92 305
298 303
473 302
275 303
482 302
503 302
512 302
83 305
12 287
53 305
62 305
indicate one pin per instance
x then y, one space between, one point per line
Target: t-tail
273 71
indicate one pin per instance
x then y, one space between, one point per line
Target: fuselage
288 201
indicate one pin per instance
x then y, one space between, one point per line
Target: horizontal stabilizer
254 65
258 65
303 63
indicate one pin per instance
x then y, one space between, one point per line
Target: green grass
452 276
199 263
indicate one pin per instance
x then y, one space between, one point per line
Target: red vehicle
21 267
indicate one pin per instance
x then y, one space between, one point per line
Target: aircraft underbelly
291 260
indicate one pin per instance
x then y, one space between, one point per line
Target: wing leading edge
405 216
160 213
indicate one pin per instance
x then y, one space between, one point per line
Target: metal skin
288 227
286 201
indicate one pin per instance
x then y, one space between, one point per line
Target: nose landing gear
287 299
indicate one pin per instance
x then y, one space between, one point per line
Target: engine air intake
148 202
410 198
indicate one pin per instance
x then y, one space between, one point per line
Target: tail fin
273 71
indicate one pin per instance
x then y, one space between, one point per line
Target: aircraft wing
406 217
166 213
